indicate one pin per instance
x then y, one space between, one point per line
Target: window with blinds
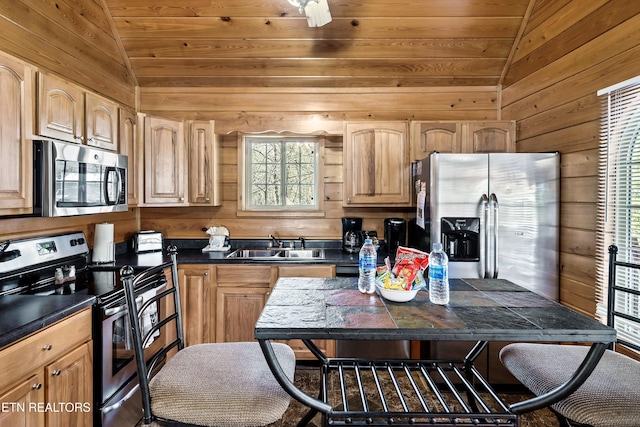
619 201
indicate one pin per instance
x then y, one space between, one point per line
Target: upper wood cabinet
436 136
16 173
204 160
101 122
462 137
164 162
490 137
60 109
128 139
376 164
66 112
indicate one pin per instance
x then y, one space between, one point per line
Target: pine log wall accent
569 51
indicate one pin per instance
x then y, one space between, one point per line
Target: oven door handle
115 310
122 401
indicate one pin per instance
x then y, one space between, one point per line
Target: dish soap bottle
367 260
438 275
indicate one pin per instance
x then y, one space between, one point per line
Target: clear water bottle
367 268
438 275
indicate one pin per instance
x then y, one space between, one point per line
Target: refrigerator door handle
495 208
484 247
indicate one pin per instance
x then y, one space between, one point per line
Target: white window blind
619 200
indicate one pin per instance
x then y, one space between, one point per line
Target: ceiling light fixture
317 11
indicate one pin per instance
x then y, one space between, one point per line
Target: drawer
43 347
246 275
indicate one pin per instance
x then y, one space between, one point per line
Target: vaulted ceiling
267 43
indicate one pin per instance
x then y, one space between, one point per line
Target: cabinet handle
56 372
47 347
206 273
36 386
181 199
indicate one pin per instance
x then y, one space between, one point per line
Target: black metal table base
411 393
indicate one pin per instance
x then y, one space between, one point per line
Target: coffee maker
351 234
395 234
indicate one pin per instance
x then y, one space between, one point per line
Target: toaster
147 241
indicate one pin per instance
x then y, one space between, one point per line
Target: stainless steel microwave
73 179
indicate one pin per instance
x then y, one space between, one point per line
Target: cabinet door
69 382
101 116
204 159
21 397
436 136
60 109
328 347
196 304
238 311
241 292
164 164
376 164
128 141
490 137
15 175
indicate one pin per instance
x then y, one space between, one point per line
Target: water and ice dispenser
461 238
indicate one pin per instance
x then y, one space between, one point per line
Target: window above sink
280 175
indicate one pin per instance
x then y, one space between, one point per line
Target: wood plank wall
569 51
308 111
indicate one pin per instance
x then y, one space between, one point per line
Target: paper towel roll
103 245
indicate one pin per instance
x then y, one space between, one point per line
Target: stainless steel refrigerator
497 215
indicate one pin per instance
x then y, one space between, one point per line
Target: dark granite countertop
22 315
190 252
479 310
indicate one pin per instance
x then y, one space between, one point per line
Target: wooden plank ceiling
267 43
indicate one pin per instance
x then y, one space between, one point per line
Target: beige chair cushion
609 398
224 384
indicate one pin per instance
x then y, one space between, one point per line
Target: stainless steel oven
114 362
73 179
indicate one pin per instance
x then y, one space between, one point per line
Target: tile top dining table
479 310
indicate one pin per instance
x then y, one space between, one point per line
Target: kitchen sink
255 253
303 253
277 253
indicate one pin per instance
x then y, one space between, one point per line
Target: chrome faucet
277 242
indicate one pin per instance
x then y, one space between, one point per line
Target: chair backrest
153 302
625 322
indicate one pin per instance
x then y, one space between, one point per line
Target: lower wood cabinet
242 291
221 303
197 300
47 377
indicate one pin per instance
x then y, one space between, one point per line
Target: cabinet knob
56 372
206 273
207 200
36 386
47 347
181 199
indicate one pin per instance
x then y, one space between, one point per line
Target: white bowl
397 295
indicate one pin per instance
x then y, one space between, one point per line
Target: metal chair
608 398
221 384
